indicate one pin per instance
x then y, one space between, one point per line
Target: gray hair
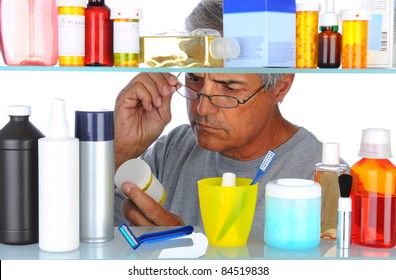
270 79
209 14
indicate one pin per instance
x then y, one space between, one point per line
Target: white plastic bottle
58 185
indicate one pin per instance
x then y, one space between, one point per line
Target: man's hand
142 111
141 210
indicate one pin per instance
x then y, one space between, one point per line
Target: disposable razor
135 242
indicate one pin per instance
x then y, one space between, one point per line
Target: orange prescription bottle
71 32
354 38
307 26
374 192
126 36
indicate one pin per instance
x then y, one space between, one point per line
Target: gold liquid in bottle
187 50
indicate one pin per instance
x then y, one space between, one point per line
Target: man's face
236 132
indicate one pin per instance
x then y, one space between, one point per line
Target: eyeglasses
221 101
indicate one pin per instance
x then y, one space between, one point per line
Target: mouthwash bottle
374 192
203 47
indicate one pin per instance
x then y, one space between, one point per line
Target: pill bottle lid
126 13
136 171
375 143
355 14
291 188
19 110
224 48
308 7
331 153
71 3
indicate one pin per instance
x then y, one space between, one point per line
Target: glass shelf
198 70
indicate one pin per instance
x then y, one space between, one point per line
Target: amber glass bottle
329 47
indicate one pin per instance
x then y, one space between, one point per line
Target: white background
335 107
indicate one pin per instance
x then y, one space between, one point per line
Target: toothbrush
264 166
135 242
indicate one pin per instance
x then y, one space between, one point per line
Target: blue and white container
265 30
95 130
292 214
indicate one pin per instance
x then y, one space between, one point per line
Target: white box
265 29
381 44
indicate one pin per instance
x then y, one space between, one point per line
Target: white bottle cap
308 7
228 180
137 171
126 13
375 143
329 17
71 3
355 14
19 110
293 188
331 153
224 48
58 125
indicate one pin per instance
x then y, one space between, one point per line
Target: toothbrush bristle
267 160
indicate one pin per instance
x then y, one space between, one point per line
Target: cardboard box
381 44
266 31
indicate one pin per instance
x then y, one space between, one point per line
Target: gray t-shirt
178 163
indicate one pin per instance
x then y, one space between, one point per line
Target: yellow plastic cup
227 212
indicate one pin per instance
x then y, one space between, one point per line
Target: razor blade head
129 236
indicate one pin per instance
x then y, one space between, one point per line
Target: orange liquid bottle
374 192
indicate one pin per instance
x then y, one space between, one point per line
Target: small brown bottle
329 39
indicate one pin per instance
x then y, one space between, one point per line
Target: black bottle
19 178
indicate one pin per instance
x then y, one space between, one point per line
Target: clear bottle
203 47
19 178
29 32
374 192
329 39
326 174
71 32
307 21
59 209
126 36
98 34
95 131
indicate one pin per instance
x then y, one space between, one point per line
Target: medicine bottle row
328 48
69 30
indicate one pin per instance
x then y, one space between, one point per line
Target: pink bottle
29 32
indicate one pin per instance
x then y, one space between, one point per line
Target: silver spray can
95 130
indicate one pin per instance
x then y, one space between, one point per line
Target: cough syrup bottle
19 178
374 192
98 34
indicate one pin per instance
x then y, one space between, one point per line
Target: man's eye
228 89
193 78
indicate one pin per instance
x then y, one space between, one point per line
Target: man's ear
283 86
